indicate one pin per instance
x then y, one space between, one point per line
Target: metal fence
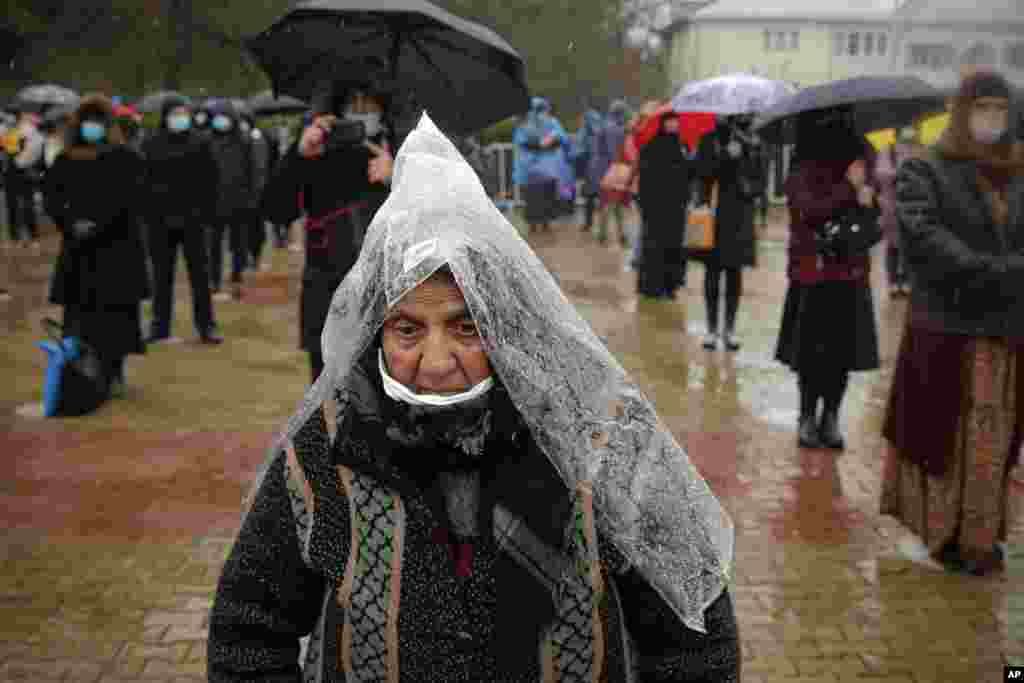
503 155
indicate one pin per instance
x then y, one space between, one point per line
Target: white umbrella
731 95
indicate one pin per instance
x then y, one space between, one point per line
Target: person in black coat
339 185
234 194
665 173
729 156
95 196
181 181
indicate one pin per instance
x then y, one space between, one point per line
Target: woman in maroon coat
828 322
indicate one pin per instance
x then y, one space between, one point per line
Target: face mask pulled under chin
401 393
985 132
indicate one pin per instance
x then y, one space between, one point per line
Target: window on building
931 56
769 41
1013 55
869 44
853 44
839 44
794 40
881 44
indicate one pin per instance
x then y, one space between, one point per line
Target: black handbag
849 235
84 385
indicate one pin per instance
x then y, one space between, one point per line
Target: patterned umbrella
731 95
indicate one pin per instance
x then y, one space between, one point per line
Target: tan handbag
700 224
616 179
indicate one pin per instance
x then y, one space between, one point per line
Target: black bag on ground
84 385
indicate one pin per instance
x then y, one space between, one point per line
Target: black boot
828 431
807 434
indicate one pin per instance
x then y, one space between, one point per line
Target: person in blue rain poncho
590 165
541 163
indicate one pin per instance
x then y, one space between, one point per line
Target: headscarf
585 414
829 136
662 164
998 162
619 112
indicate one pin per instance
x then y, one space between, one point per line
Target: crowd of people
950 214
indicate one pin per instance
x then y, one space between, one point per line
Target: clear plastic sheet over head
583 410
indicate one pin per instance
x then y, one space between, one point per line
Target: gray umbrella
465 75
878 102
154 102
41 96
265 104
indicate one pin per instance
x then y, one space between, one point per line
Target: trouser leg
257 237
11 192
834 389
712 278
733 292
809 395
216 254
163 247
237 240
892 268
199 279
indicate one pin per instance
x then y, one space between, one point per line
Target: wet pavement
117 523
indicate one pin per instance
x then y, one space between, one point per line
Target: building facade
798 41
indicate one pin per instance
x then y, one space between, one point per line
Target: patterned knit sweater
287 568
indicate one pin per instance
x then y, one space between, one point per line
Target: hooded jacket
181 174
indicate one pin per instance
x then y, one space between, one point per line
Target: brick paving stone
155 667
174 652
197 652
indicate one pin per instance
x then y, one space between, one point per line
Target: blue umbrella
878 102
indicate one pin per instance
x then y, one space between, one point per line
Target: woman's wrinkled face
431 344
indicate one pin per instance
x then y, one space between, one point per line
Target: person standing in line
664 172
234 194
23 177
828 325
94 193
259 158
542 144
591 165
730 158
336 177
181 182
955 418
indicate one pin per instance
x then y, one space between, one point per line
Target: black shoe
828 431
710 341
731 343
212 337
807 433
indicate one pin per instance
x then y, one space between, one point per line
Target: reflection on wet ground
117 522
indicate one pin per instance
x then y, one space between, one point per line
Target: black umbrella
879 102
463 74
154 102
265 104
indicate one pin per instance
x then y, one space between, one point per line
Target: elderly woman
500 502
954 422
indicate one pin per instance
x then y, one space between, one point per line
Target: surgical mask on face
201 118
986 132
221 123
244 126
399 392
93 132
179 124
371 121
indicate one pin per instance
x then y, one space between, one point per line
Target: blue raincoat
532 165
590 163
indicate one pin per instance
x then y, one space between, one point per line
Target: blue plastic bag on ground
76 382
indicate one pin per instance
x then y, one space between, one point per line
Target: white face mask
399 392
985 132
372 122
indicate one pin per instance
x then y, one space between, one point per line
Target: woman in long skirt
954 421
